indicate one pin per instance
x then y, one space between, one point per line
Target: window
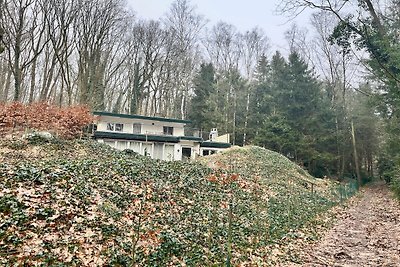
206 152
115 127
186 153
137 128
168 130
119 127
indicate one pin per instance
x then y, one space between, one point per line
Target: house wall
223 138
148 126
195 146
170 151
158 150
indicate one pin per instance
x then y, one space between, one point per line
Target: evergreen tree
266 85
297 121
278 81
203 106
260 97
304 106
262 89
277 134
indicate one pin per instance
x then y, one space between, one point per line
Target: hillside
80 203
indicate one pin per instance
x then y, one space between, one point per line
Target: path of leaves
367 234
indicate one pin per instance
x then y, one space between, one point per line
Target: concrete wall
223 138
170 151
148 126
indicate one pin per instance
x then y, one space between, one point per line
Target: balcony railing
197 133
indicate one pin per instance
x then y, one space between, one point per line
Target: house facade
156 137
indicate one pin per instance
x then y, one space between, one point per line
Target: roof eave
133 116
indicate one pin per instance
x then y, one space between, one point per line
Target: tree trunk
33 82
234 120
7 85
17 72
183 105
339 157
227 111
356 163
47 80
246 119
17 56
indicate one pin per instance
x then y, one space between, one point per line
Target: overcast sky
244 14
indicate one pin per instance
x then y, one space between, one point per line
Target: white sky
243 14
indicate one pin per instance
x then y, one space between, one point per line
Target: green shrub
395 183
16 144
365 178
386 166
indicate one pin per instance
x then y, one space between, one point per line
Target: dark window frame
137 130
115 127
168 130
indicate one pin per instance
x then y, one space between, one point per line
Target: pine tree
203 107
297 121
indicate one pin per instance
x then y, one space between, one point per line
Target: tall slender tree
203 107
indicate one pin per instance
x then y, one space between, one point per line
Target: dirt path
366 234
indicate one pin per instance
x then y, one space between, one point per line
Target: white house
159 138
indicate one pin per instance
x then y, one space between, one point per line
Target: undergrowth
83 203
395 184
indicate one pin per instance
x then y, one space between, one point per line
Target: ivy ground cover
80 203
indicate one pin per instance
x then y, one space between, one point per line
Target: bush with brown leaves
65 122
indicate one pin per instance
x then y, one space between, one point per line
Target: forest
330 102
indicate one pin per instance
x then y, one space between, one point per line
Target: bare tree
143 52
224 47
255 44
61 17
185 25
298 42
2 7
362 18
95 30
23 38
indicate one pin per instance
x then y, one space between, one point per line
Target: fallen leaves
364 234
103 207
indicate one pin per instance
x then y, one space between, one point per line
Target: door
186 153
158 150
169 152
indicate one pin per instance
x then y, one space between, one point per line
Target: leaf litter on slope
83 203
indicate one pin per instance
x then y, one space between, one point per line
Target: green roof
128 116
159 138
215 144
139 137
191 138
